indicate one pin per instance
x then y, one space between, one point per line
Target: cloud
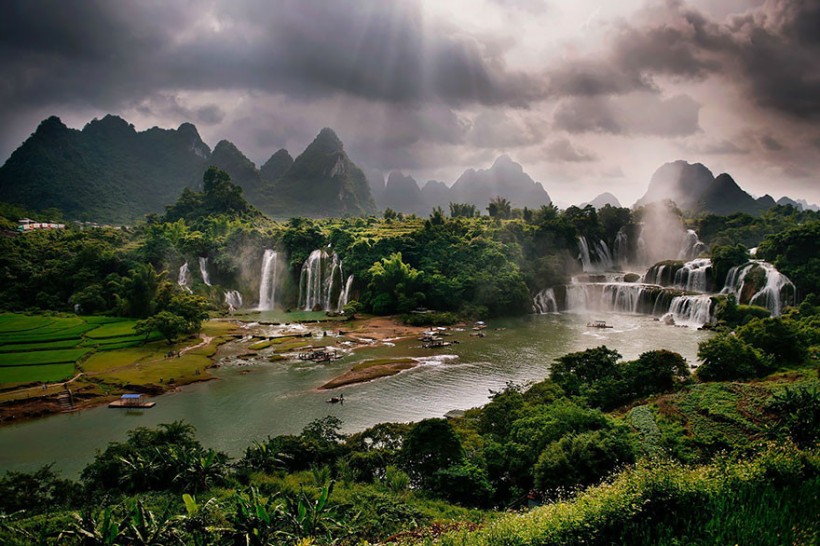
562 150
771 143
638 113
719 147
495 128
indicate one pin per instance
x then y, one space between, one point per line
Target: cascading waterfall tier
618 297
320 282
694 275
774 293
344 295
595 258
544 302
233 299
268 278
184 277
691 310
203 270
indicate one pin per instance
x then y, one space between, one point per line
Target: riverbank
156 368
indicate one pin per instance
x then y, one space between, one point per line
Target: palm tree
499 207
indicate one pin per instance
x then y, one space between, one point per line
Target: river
257 399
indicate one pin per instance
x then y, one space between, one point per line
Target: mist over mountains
109 172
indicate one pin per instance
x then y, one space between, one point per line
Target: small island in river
369 370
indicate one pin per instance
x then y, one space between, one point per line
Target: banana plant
197 520
258 520
144 528
103 529
311 518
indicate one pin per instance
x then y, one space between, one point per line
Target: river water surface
257 399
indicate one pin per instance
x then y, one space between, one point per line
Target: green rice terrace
41 355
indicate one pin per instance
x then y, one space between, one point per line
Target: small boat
336 399
598 324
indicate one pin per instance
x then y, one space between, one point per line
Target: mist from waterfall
203 270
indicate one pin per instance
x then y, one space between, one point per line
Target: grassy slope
762 499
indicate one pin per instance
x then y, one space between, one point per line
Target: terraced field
50 347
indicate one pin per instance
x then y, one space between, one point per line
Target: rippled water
260 399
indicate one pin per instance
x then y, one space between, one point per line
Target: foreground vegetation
637 452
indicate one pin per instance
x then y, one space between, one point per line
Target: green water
254 399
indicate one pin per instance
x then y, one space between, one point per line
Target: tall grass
773 499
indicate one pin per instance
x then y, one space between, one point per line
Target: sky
589 96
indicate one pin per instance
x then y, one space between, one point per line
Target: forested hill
109 172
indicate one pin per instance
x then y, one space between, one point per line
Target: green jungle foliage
695 463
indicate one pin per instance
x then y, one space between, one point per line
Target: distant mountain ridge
694 188
505 178
109 172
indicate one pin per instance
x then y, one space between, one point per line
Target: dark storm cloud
772 52
637 113
771 143
378 50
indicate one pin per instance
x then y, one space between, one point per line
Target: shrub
726 357
776 336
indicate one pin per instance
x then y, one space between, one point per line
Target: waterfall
233 299
586 263
770 296
622 247
773 295
619 297
544 302
693 276
603 258
344 295
320 282
267 283
691 310
691 246
654 275
203 269
184 277
622 297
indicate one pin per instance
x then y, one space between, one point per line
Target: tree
778 337
727 357
192 309
656 372
166 323
573 370
583 459
499 207
725 257
393 286
430 446
463 210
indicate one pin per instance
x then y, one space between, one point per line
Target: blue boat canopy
131 396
